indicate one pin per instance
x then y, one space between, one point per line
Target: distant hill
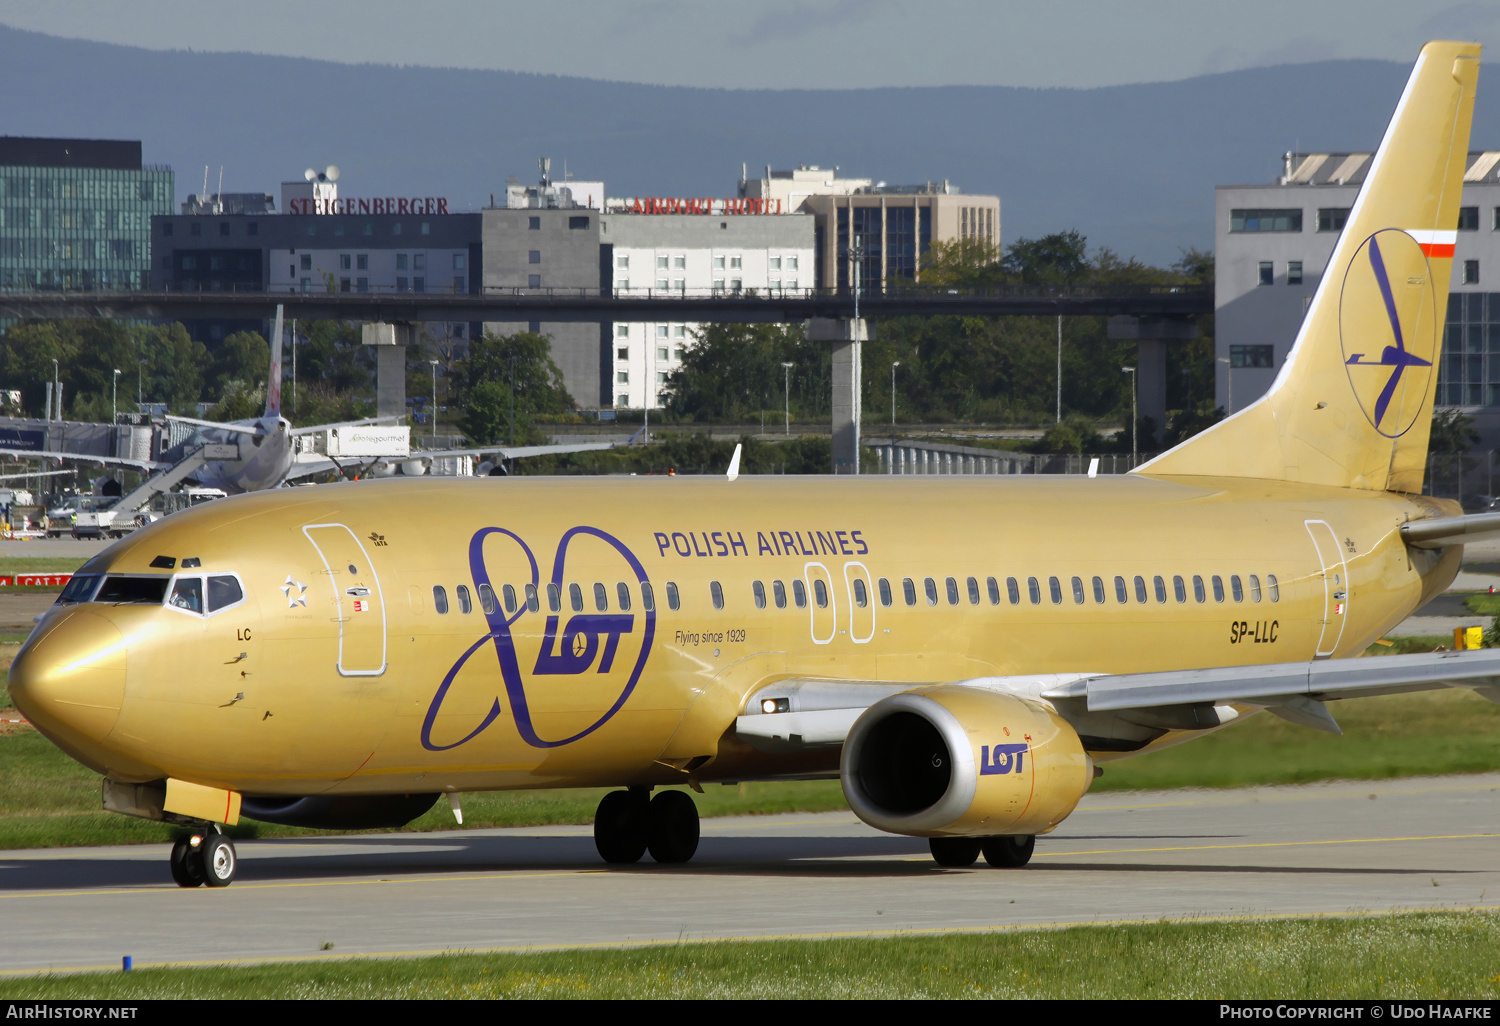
1132 167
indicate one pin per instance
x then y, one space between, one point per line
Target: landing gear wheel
620 826
954 852
1009 852
187 870
218 859
672 827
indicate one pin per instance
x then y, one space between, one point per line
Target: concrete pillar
391 341
1151 335
845 338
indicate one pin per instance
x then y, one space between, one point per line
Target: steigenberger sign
378 205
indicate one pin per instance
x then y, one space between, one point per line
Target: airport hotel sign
694 205
378 205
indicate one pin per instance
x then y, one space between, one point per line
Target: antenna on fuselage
734 462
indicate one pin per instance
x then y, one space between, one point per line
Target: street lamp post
140 370
787 390
1229 379
432 425
114 397
894 365
56 393
1134 419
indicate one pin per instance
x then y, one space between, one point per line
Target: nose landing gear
627 825
204 857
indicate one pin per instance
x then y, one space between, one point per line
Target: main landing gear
1003 852
630 823
204 857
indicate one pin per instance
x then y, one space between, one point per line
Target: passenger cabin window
1140 589
1013 591
778 592
1179 589
1254 588
909 591
575 598
1198 593
1272 588
1034 587
861 596
799 594
1099 590
673 601
994 587
717 591
533 602
1055 587
952 591
465 604
622 592
1078 591
930 587
554 599
487 600
1218 583
820 593
1161 588
1122 594
509 594
885 592
1235 588
759 591
973 583
601 598
648 597
440 598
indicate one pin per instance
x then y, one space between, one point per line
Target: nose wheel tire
954 852
187 870
219 860
620 826
1009 852
207 858
672 827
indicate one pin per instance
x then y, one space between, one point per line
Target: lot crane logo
541 625
1002 759
1388 325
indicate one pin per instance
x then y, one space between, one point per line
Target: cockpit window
147 590
79 589
223 591
187 594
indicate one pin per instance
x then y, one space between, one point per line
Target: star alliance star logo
295 592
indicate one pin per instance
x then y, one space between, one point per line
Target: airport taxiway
1326 849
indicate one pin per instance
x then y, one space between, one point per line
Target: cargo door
1335 585
358 600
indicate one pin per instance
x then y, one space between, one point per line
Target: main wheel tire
954 852
187 871
620 827
672 827
1009 852
218 859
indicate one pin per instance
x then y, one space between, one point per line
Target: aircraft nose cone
70 681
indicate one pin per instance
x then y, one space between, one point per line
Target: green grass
1426 955
39 564
1483 604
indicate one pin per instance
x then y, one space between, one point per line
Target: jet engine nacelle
956 761
339 812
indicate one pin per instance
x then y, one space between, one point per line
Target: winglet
273 380
734 462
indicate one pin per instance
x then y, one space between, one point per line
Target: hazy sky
787 43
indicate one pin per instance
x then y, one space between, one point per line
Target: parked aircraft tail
273 380
1352 404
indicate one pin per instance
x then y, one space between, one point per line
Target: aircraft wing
217 425
1441 532
78 457
797 713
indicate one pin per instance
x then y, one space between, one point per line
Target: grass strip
40 564
1415 955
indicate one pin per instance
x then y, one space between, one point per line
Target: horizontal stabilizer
1441 532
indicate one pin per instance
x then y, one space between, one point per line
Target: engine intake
951 760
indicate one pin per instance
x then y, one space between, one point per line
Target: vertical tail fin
1352 404
273 380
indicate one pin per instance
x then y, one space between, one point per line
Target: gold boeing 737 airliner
962 652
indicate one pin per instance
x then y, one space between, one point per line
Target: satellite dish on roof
332 172
309 174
